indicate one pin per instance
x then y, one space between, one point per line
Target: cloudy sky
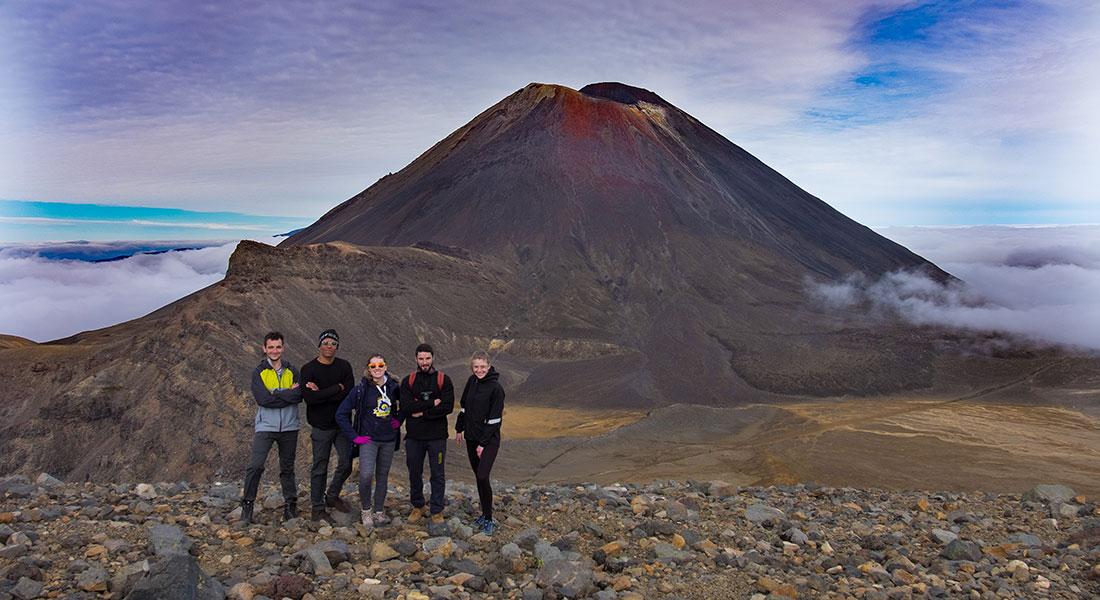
897 113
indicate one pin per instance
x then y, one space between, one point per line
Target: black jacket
432 424
321 405
482 409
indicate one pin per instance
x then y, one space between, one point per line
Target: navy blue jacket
362 413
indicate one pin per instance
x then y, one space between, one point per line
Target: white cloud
1041 283
46 299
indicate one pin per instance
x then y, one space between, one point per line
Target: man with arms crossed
326 380
427 397
275 388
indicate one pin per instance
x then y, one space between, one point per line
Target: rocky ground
661 540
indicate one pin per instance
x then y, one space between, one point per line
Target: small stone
93 579
678 541
1050 493
381 552
48 481
962 550
459 579
241 591
319 562
441 546
922 505
167 540
943 536
96 551
146 491
760 513
26 589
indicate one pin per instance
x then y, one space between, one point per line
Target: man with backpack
427 397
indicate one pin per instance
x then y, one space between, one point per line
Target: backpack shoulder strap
412 379
439 381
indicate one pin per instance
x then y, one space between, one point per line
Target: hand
312 386
294 387
395 423
417 415
458 438
341 386
363 439
479 450
437 402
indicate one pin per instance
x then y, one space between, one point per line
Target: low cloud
1042 283
46 298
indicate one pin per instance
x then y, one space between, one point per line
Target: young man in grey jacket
275 389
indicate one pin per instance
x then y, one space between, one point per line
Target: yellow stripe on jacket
272 382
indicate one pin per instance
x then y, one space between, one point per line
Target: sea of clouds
45 298
1039 282
1042 283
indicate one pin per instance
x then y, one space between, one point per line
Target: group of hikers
364 419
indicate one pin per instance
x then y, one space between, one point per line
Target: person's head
327 343
479 364
424 357
376 367
273 346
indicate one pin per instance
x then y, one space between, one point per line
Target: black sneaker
290 511
320 515
339 504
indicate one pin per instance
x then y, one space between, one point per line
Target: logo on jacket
383 408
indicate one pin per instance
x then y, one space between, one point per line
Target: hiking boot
437 518
290 511
479 523
246 512
489 527
416 514
339 504
367 520
320 515
380 518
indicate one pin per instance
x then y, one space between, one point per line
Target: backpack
438 380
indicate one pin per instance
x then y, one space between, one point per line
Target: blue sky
896 113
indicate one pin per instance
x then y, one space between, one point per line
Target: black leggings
482 466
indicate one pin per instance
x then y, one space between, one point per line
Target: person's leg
368 456
437 454
414 459
322 448
288 448
261 445
484 485
471 453
382 475
343 469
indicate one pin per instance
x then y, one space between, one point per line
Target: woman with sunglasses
369 417
482 409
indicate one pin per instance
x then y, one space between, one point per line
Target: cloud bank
45 299
1042 283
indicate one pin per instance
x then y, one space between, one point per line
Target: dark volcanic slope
611 171
629 222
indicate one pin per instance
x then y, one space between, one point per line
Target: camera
426 396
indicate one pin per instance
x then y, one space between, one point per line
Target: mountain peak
622 93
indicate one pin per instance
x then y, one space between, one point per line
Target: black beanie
328 333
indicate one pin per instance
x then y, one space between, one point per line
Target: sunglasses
376 366
330 344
